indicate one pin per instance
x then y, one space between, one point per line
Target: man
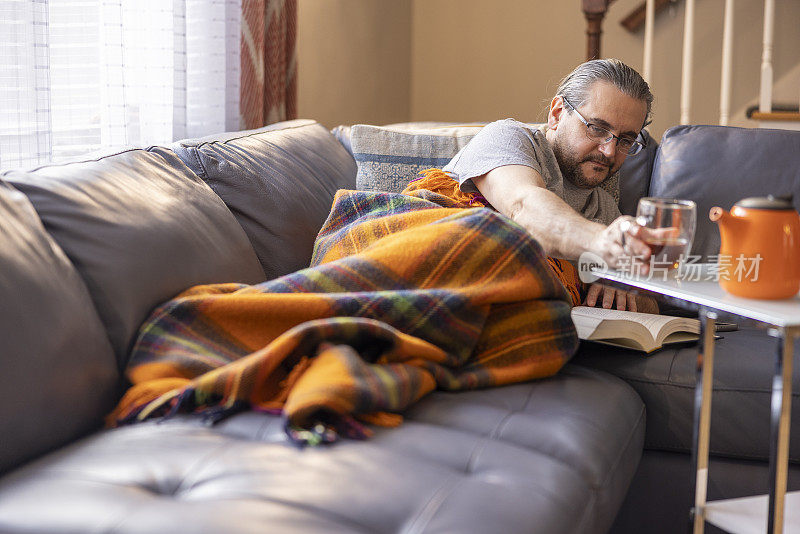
550 180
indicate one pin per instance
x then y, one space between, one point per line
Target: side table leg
779 430
702 416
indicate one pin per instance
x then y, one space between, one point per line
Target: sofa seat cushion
744 363
278 181
140 227
59 373
550 456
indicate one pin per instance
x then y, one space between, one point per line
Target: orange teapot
760 253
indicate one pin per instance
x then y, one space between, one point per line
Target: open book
640 331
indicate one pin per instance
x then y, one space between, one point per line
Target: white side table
696 288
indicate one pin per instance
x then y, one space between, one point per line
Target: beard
570 166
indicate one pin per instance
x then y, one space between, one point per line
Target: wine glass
675 219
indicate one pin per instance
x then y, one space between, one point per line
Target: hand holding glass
675 219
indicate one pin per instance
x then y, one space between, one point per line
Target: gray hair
575 85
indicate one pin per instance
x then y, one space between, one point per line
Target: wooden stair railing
787 116
594 11
779 112
635 18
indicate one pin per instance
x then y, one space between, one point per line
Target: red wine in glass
666 251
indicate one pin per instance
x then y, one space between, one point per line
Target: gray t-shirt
510 142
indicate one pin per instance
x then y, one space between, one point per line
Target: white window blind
81 77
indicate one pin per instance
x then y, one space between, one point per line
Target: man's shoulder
512 128
513 123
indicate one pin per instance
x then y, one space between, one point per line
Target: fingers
622 299
608 298
611 245
624 246
598 293
646 234
594 291
636 245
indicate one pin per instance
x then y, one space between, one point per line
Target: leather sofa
714 166
88 248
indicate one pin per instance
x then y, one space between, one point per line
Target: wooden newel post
594 11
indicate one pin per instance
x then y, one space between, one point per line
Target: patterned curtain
269 62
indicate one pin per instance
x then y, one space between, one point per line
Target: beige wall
354 61
382 61
480 61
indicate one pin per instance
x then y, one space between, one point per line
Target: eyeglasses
601 136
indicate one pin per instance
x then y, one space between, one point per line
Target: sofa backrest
278 181
719 165
634 176
139 227
388 157
59 375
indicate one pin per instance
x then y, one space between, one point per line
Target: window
81 77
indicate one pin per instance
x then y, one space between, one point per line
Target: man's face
584 162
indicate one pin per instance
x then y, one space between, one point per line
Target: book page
603 326
586 325
650 321
659 326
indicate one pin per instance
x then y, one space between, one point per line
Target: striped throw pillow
389 157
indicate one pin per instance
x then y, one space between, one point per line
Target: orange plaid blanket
406 293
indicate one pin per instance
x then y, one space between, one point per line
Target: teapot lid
769 202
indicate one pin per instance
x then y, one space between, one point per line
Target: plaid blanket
406 293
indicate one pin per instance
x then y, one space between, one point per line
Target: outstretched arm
519 192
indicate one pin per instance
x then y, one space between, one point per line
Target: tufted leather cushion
634 176
552 456
139 227
720 165
743 370
278 181
58 371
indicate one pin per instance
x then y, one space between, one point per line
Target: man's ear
555 113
